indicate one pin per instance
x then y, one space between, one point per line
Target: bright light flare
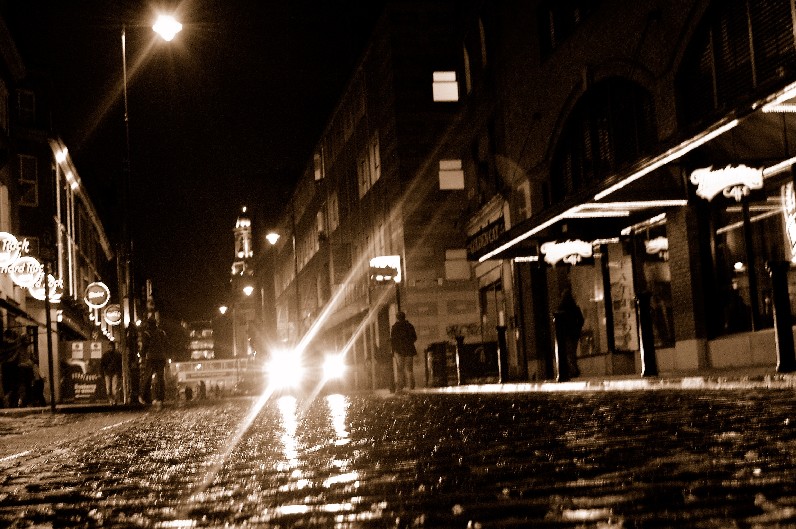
334 367
167 27
285 369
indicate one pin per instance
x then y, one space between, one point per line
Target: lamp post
167 27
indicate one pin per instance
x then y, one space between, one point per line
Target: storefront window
654 258
748 235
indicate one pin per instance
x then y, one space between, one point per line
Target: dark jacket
403 338
154 345
111 362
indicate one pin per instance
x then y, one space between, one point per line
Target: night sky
225 115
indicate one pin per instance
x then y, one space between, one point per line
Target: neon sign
97 295
571 252
386 268
733 182
24 270
55 287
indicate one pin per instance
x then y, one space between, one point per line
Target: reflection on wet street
607 460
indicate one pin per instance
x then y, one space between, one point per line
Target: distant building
380 184
200 340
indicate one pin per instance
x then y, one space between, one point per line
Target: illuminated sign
386 268
570 252
54 286
657 245
732 182
97 295
113 314
24 271
11 249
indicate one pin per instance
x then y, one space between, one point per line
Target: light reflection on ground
631 459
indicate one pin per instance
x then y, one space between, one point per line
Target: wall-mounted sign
11 249
54 286
484 236
113 314
386 268
735 182
570 252
97 295
25 271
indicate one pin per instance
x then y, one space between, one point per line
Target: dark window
558 19
741 46
610 127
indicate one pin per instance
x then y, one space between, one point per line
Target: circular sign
25 271
97 295
10 249
55 288
113 314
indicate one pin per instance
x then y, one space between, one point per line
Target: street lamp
167 27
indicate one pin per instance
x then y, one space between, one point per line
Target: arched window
610 128
740 47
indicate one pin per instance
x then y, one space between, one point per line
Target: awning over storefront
658 183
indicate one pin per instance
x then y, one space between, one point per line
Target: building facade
649 147
49 226
380 185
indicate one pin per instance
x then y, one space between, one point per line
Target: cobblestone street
584 459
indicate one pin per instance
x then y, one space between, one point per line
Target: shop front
678 263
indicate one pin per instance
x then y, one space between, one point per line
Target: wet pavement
603 459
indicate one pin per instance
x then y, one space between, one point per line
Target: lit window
445 87
318 168
451 175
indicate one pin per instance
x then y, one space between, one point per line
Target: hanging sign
113 314
571 252
25 271
97 295
733 182
54 286
658 245
386 268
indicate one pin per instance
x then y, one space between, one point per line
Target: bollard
459 349
649 363
783 323
503 355
562 365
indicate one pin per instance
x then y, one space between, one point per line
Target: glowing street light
167 27
248 289
223 309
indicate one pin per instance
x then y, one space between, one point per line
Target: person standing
402 340
569 322
111 365
154 359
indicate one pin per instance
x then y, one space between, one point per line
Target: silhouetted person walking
402 339
154 356
569 322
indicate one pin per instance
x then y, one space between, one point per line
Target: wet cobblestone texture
591 459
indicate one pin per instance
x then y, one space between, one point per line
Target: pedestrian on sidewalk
402 340
569 320
154 351
111 366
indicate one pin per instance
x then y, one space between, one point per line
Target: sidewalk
717 380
